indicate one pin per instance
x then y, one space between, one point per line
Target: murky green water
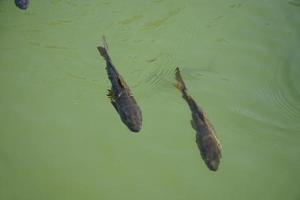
61 139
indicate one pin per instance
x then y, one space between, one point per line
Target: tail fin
103 50
180 84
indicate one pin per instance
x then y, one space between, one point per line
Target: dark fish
207 142
120 94
22 4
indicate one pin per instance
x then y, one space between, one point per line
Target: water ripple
273 81
158 75
278 94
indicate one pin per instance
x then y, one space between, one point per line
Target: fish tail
180 84
103 50
103 53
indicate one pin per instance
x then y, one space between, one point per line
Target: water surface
60 138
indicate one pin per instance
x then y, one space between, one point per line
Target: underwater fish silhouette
120 94
22 4
207 142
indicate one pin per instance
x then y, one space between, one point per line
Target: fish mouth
213 165
134 128
133 120
133 123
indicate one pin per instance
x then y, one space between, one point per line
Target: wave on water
158 75
275 99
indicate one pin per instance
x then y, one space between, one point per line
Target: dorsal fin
122 82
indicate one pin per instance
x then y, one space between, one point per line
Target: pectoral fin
110 95
112 98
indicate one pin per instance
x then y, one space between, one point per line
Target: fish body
207 142
120 94
22 4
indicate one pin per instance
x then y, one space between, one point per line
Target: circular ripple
279 94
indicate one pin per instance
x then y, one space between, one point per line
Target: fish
120 94
22 4
206 139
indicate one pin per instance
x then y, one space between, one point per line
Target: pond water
60 138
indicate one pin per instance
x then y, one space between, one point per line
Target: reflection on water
60 138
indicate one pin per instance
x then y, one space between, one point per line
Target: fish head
134 121
135 127
210 152
22 4
132 117
213 164
212 158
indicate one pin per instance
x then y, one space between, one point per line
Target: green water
60 138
